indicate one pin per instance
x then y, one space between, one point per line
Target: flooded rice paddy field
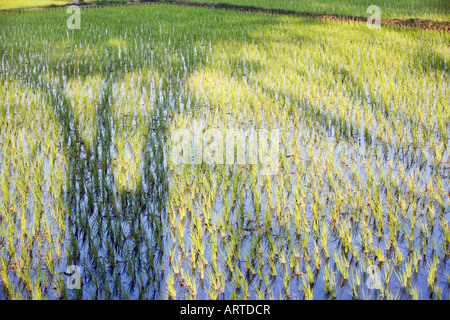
437 10
359 182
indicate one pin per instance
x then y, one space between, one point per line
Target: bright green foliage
87 120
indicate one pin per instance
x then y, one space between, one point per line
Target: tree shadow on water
117 235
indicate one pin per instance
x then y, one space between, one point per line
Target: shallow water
140 226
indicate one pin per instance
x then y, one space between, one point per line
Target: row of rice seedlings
33 213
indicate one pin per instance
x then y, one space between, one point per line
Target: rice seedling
432 272
307 290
